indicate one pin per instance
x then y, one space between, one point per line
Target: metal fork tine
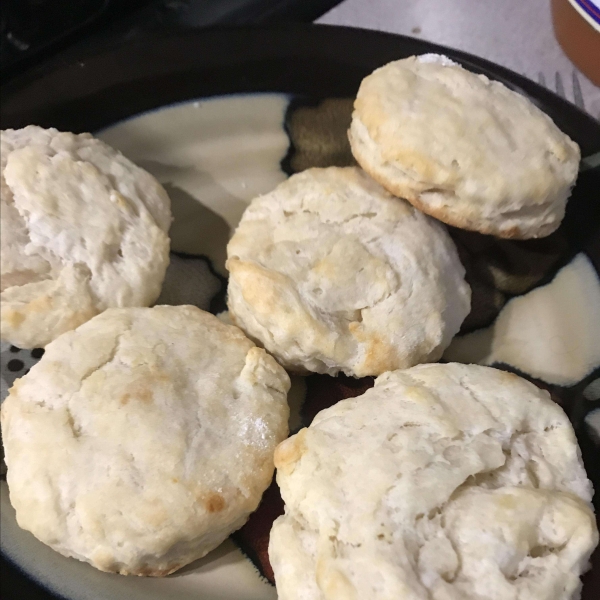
577 93
541 79
560 88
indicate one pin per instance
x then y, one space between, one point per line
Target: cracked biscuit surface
462 148
142 439
443 482
83 229
331 273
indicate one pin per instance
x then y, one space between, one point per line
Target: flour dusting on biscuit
331 273
462 148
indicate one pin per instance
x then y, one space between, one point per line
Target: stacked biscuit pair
335 270
444 481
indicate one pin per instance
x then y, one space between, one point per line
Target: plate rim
78 57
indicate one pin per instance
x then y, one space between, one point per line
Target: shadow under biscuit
322 391
196 229
497 269
221 556
193 280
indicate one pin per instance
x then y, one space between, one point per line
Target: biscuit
463 149
441 482
331 273
143 438
83 229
